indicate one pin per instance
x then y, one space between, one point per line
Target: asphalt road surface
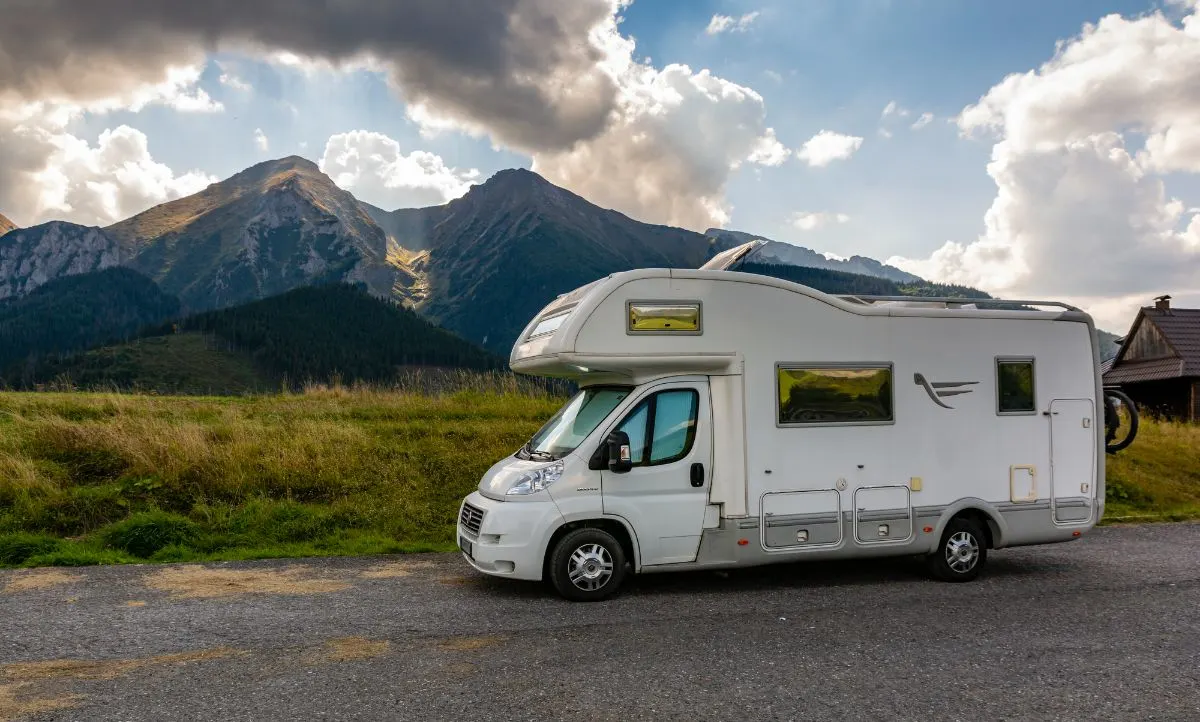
1104 628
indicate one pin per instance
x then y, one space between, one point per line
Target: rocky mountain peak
29 257
6 225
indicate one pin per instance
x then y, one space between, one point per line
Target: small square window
1015 387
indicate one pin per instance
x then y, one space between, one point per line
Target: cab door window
662 428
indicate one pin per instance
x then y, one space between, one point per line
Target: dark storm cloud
523 70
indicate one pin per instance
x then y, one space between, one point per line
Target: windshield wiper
536 454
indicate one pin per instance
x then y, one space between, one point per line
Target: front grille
471 518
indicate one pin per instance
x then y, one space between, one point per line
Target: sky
1028 148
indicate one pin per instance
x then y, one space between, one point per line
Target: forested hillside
312 334
74 313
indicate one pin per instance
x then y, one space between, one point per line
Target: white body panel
867 489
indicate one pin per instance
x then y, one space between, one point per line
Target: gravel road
1104 628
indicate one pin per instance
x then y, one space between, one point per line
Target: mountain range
480 266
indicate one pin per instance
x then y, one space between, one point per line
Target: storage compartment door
882 514
801 519
1072 460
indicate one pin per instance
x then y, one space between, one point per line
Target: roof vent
1163 303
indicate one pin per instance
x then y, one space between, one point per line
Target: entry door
664 495
1072 459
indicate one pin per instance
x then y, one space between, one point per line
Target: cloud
1071 182
827 146
552 79
806 221
726 23
529 71
773 75
924 120
104 183
768 150
230 80
893 108
679 134
48 173
261 141
373 167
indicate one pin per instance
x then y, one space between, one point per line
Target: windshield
571 425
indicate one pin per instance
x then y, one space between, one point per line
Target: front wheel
962 553
587 565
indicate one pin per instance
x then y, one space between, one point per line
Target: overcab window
829 394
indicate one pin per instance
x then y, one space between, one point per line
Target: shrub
16 548
145 533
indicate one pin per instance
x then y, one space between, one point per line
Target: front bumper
512 536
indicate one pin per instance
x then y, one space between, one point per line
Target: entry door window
662 428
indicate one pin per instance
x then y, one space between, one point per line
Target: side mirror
619 456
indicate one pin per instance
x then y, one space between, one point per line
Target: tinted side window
1014 386
841 394
662 428
674 425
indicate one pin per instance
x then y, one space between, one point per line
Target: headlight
534 481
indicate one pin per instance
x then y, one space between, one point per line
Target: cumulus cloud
529 71
827 146
261 141
102 183
667 157
807 221
48 173
729 24
1071 183
374 168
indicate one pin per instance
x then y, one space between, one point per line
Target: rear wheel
587 565
961 554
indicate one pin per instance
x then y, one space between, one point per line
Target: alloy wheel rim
590 567
962 552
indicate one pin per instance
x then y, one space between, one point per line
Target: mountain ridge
6 225
792 254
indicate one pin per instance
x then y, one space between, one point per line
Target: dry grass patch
38 580
23 691
468 644
200 582
394 570
16 704
135 603
350 649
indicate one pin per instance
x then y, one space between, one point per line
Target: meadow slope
109 478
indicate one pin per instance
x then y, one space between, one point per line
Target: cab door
664 495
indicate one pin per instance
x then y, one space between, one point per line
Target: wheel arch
615 525
980 511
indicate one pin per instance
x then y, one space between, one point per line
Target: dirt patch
135 604
25 672
394 570
200 582
467 644
461 581
23 690
349 649
15 704
39 579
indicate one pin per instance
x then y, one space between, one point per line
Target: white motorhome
726 419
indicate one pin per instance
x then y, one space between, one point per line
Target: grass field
109 478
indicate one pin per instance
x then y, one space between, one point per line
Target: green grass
116 478
110 478
1158 477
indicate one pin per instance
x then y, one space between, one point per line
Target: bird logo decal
939 390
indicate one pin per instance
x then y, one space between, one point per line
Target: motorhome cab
726 419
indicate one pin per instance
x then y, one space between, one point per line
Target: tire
596 561
962 552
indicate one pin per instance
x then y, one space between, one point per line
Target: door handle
697 474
